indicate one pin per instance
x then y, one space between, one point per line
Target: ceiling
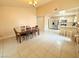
41 2
72 11
21 2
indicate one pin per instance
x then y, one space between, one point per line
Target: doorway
40 22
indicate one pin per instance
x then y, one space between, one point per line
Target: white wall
40 22
46 23
12 16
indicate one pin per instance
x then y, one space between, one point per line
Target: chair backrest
15 31
22 28
28 27
36 26
77 30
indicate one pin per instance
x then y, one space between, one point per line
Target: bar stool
64 32
70 34
77 38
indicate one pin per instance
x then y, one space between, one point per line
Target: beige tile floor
47 44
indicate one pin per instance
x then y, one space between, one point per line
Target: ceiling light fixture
62 12
33 2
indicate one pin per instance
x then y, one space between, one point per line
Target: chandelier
33 2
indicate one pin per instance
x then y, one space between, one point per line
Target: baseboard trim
7 37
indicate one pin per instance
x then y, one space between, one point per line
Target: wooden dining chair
29 31
76 36
18 36
22 28
23 32
37 29
34 31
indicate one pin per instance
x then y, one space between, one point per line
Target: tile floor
47 44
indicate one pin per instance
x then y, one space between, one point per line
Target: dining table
26 32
